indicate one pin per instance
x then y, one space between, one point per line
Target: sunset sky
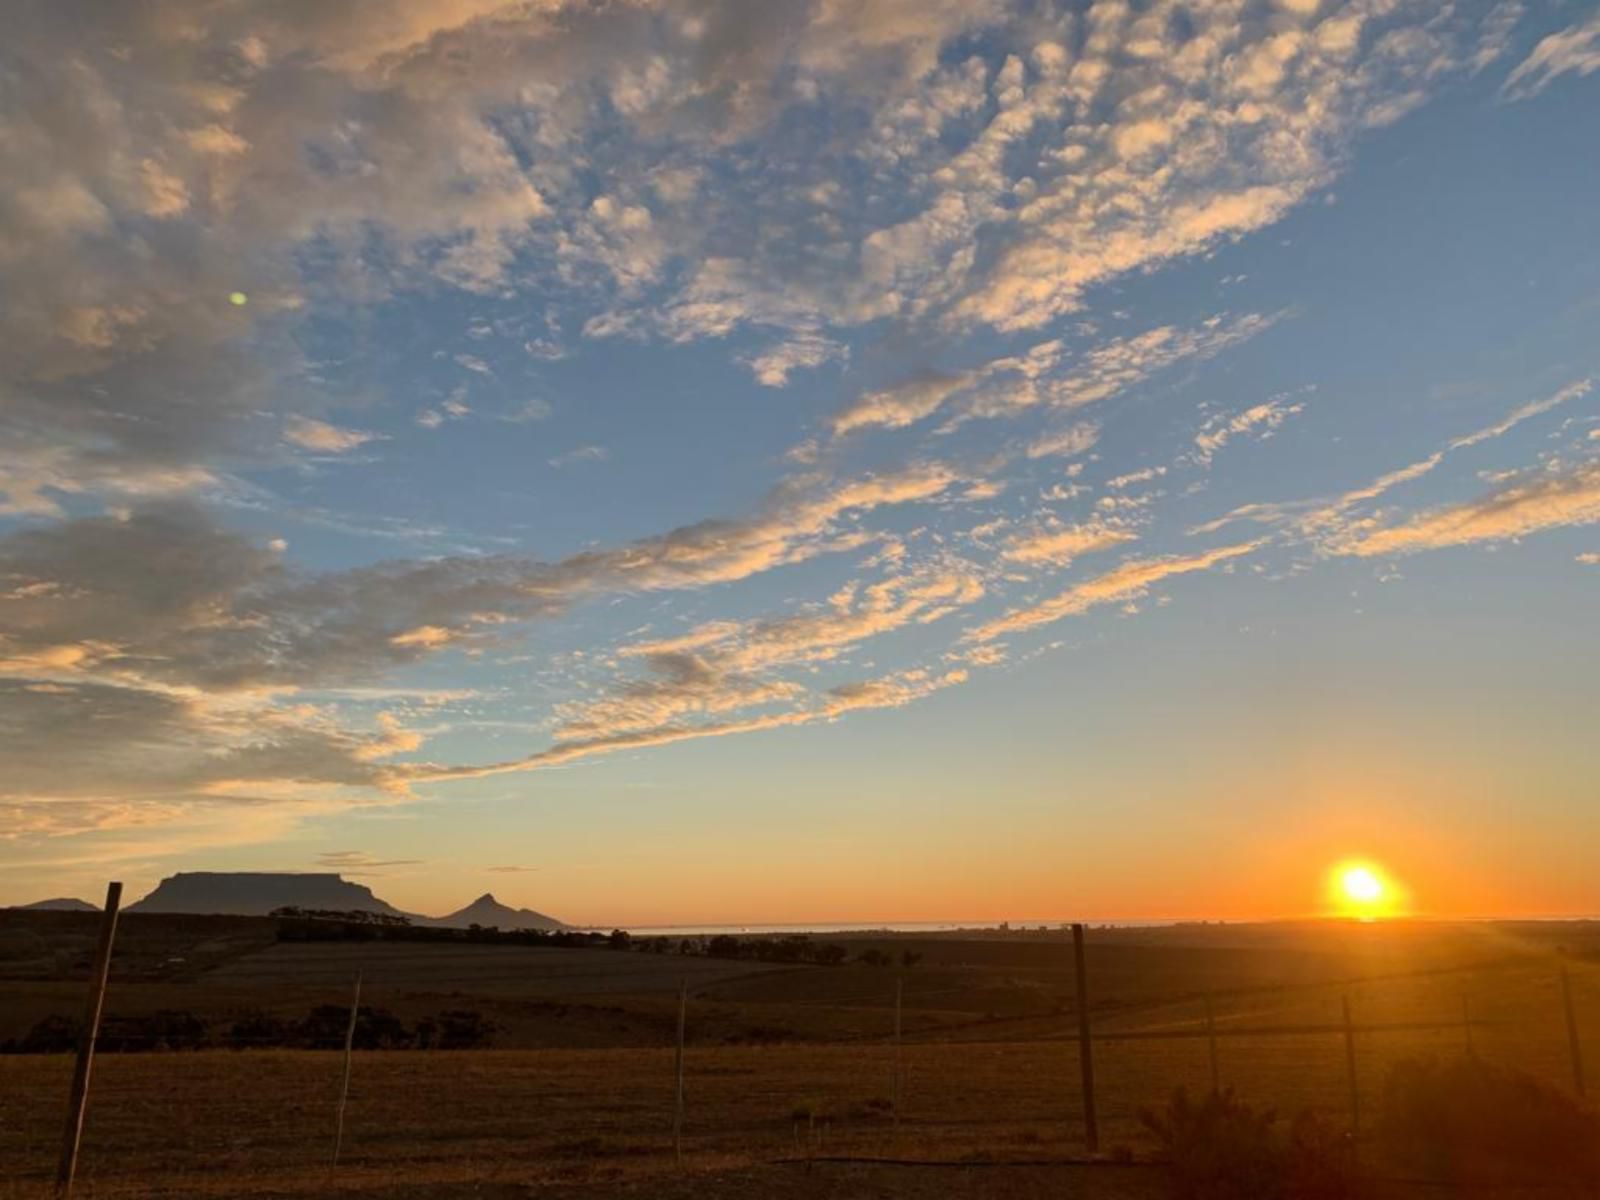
912 460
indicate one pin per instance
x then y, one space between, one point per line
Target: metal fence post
1211 1046
1091 1123
899 996
677 1110
1574 1046
1350 1067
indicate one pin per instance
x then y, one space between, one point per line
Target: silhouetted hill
257 893
487 911
62 904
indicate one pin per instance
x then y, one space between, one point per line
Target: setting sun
1361 886
1361 889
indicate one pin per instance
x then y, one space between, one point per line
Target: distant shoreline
1033 926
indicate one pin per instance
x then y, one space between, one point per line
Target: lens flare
238 299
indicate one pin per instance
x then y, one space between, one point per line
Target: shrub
325 1027
53 1035
1464 1119
256 1030
167 1029
1220 1148
463 1029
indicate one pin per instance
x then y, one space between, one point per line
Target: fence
981 1090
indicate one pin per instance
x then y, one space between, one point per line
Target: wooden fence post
899 994
1091 1123
344 1088
78 1098
1574 1046
1350 1068
1211 1045
677 1109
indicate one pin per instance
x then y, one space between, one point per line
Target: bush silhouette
1220 1148
1464 1119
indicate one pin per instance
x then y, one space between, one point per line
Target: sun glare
1360 889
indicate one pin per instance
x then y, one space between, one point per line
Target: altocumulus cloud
619 161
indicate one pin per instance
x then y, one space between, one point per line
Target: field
783 1062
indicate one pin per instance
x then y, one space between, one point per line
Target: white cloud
1069 442
1129 581
1058 544
773 366
1132 478
1046 375
1318 517
1574 50
1529 505
324 438
1259 421
580 454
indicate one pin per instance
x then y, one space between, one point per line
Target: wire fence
980 1090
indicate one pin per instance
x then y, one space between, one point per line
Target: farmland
574 1086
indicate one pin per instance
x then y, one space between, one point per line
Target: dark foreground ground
571 1095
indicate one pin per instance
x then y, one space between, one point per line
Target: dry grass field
576 1097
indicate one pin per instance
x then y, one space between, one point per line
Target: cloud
359 862
773 366
321 160
1128 581
188 603
581 454
1575 49
1260 421
1526 506
892 691
1058 545
1131 478
727 665
1318 517
162 653
1046 375
91 753
622 163
322 437
1065 443
1217 127
902 404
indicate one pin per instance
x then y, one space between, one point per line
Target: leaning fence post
344 1088
1211 1046
1574 1046
1091 1124
78 1098
1350 1067
677 1109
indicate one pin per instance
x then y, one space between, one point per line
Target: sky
670 462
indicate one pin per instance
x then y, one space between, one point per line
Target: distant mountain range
257 893
62 904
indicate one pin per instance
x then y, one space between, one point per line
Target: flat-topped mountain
257 893
487 911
